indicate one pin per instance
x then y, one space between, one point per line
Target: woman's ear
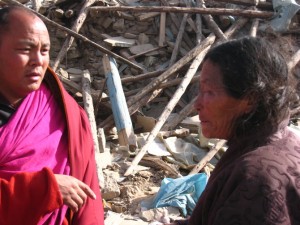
249 104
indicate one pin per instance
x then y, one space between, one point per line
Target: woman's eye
208 93
205 92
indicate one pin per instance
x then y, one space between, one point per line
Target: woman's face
216 108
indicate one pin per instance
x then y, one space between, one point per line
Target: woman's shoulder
284 149
277 163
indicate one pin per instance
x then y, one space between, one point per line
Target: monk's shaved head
5 18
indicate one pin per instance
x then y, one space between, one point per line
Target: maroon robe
81 154
259 186
39 190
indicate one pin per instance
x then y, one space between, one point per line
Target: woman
244 98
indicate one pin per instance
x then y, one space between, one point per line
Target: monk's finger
71 204
79 198
88 191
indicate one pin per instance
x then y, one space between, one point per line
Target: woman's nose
198 102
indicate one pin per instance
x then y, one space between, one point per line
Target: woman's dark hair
252 68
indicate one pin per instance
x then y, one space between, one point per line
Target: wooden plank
213 26
119 106
178 40
213 11
162 30
88 105
120 41
89 108
176 21
146 16
208 157
185 112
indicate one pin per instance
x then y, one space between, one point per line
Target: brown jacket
258 187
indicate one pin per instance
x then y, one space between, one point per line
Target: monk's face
216 108
24 56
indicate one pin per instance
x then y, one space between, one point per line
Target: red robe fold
28 189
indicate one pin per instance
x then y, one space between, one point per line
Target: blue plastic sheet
182 193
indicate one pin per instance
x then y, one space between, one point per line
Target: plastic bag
182 193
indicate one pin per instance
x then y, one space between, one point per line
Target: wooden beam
213 11
162 29
208 157
89 108
119 106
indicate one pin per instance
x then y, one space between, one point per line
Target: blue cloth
182 193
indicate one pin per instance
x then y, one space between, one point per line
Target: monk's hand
74 192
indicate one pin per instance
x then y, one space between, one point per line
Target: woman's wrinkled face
216 108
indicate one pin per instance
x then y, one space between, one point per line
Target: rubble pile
152 49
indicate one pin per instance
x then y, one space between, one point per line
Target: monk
47 162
